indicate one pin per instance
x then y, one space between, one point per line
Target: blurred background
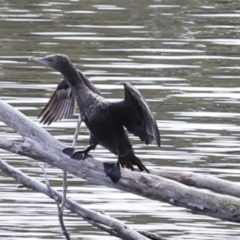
184 58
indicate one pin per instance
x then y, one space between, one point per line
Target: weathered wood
43 147
121 230
201 181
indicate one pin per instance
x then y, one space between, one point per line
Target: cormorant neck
75 80
70 73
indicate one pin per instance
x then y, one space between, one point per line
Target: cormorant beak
40 60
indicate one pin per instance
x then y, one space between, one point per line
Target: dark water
182 55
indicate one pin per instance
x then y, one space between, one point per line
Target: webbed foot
80 155
68 151
112 171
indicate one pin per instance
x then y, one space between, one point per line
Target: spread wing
62 103
136 116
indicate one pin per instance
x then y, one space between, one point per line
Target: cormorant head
59 62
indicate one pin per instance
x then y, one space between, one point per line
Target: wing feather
136 116
61 104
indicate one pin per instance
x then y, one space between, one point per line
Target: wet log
41 146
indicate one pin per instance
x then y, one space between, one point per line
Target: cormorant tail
129 160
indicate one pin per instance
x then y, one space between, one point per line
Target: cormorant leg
69 151
113 170
81 155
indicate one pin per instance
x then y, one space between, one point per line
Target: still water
184 56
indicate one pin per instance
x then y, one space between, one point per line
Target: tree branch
116 227
60 208
146 185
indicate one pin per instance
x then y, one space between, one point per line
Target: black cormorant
104 119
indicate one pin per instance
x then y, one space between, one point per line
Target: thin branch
105 229
64 181
60 212
64 190
152 236
65 185
61 221
79 122
122 230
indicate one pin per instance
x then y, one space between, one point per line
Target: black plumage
104 119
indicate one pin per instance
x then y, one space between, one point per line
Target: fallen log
40 145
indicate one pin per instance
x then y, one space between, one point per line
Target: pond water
184 56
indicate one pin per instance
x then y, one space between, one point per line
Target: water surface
182 55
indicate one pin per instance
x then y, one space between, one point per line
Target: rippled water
182 55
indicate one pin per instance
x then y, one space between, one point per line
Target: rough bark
42 146
201 181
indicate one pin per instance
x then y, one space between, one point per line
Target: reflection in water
182 55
